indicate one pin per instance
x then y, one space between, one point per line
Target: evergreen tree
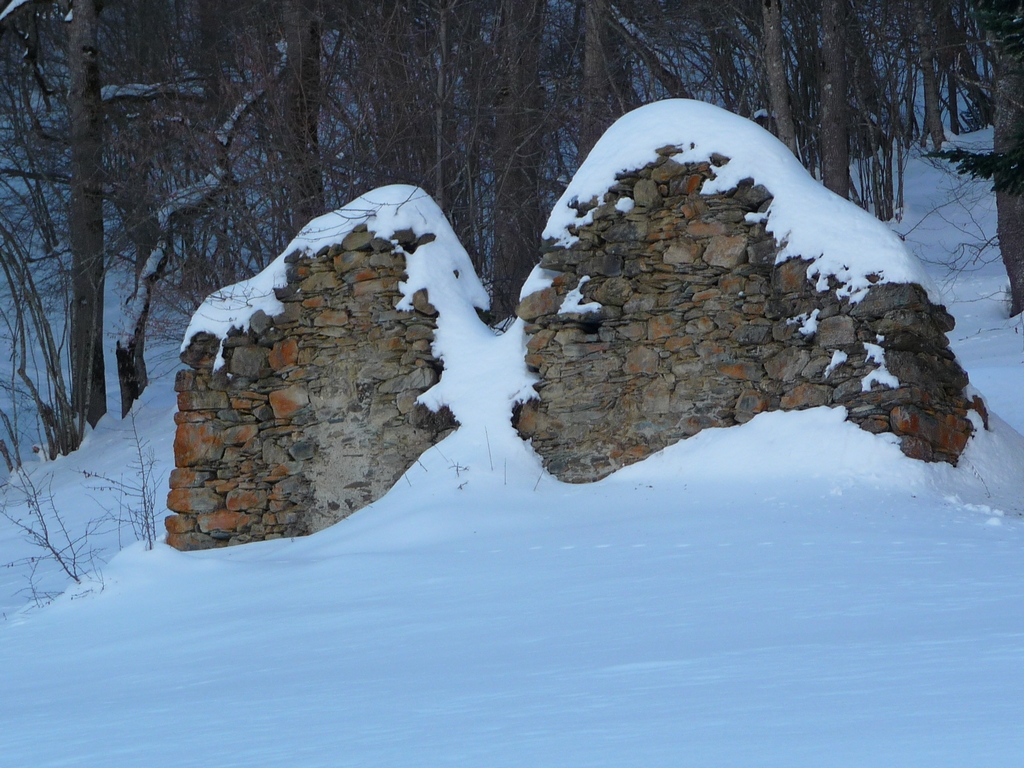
1004 20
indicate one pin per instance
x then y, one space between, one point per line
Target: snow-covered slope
790 592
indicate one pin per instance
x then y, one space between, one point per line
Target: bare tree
518 124
85 224
775 66
1010 207
835 149
301 33
596 78
932 100
199 195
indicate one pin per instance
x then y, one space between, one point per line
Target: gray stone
666 170
646 194
302 450
726 251
250 362
607 265
762 252
615 291
624 231
836 332
259 323
886 297
752 334
787 364
683 250
357 241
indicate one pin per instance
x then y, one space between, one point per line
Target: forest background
152 152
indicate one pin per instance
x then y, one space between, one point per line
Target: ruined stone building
679 289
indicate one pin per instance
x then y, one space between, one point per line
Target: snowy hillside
793 591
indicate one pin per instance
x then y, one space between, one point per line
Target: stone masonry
314 414
697 327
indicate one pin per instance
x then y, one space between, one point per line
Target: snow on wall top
442 266
840 239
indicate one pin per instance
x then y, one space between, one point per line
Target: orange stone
706 228
806 396
241 434
661 327
331 317
742 371
186 478
950 437
179 524
242 499
190 541
193 500
678 343
287 402
543 302
641 360
284 354
197 443
365 287
279 471
360 275
221 520
526 424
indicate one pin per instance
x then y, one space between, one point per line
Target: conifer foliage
1004 20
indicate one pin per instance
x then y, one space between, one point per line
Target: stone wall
314 413
697 327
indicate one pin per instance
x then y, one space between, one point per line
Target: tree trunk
441 102
953 48
775 64
596 80
1010 208
302 111
517 150
835 145
932 100
88 384
130 349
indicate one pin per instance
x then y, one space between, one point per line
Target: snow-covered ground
791 592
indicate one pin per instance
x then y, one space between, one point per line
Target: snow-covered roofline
841 239
442 266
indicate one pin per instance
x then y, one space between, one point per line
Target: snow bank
814 224
442 267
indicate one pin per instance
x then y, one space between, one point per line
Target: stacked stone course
314 413
697 328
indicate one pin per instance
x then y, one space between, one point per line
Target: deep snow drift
793 591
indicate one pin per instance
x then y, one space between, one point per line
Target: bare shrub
29 507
